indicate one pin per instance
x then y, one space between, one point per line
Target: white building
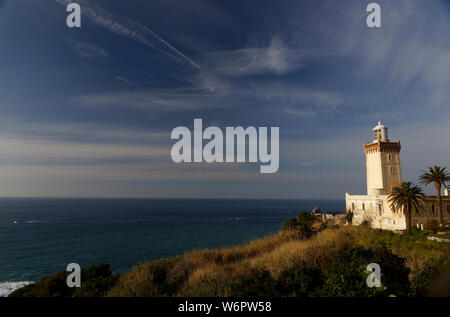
383 173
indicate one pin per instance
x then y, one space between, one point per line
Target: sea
41 236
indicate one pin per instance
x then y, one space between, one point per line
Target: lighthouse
383 174
383 170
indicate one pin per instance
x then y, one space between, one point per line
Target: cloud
15 129
299 112
276 58
130 29
408 51
128 82
43 149
156 99
88 50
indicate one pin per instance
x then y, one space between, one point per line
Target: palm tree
439 176
408 197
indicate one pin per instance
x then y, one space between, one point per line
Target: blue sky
89 111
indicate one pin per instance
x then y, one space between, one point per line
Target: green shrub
432 225
163 277
349 217
95 281
290 224
299 280
256 283
422 282
302 223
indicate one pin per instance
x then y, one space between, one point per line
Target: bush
162 277
256 283
95 281
290 224
349 217
302 223
432 225
345 273
365 223
299 280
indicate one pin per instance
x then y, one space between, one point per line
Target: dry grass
209 272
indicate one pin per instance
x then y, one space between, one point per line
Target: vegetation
305 223
407 197
349 217
438 176
331 262
96 281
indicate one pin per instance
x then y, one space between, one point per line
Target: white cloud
127 81
88 50
130 29
276 58
44 149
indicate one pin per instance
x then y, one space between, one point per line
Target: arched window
433 209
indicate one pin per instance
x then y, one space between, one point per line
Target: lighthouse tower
382 163
383 174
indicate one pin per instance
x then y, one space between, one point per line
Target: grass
332 262
216 272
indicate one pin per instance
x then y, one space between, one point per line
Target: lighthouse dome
380 133
379 127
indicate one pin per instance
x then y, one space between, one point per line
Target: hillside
332 262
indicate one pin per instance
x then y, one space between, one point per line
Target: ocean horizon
40 236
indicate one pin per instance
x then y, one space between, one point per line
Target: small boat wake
21 221
233 218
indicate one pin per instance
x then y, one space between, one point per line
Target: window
389 157
448 209
392 170
364 206
380 209
433 211
353 206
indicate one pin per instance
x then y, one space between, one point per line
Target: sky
88 112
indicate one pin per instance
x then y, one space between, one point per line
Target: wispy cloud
128 82
87 50
276 58
156 99
130 29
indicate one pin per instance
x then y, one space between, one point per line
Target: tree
438 176
408 197
303 223
349 217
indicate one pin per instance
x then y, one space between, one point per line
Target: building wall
383 170
376 210
373 172
392 172
430 211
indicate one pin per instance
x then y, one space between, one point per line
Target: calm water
124 232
